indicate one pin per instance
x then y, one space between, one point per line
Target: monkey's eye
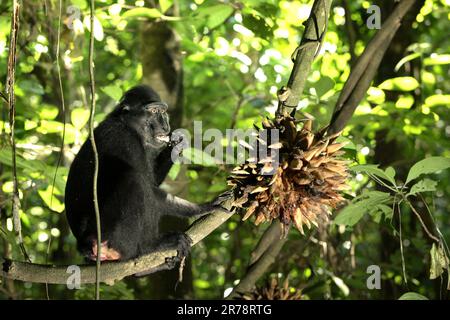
153 110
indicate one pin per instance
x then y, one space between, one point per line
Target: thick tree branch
365 68
257 269
271 235
315 28
112 271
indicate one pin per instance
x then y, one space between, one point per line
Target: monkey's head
145 113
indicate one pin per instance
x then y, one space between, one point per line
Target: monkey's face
145 113
157 124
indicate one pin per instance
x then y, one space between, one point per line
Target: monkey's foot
184 244
106 253
176 240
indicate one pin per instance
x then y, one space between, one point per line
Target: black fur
132 165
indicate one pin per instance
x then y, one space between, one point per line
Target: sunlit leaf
400 84
426 166
404 102
376 95
51 201
437 59
439 261
48 112
406 59
98 28
214 15
79 117
373 169
151 13
412 296
165 5
174 171
438 99
113 91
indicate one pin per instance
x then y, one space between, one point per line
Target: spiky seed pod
305 185
274 291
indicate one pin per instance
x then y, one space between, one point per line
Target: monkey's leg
172 241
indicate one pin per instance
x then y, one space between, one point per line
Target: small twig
423 224
402 254
12 119
63 109
94 149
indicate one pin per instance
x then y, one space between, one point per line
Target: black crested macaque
134 151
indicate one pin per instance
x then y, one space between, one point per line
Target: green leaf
400 84
51 201
390 172
412 296
151 13
373 169
428 165
437 59
165 5
404 102
174 171
423 186
113 91
79 117
376 95
439 261
31 165
215 15
196 156
382 210
361 205
437 99
48 112
324 85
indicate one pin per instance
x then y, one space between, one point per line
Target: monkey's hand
223 197
175 140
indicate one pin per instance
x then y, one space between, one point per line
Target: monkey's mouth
163 138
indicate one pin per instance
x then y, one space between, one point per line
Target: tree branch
315 28
365 68
271 235
257 269
112 271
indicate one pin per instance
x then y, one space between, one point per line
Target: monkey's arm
180 207
163 165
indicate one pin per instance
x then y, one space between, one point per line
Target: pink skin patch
106 254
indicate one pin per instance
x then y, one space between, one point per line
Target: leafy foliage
235 57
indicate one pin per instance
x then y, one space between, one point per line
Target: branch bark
365 68
112 271
265 260
315 28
